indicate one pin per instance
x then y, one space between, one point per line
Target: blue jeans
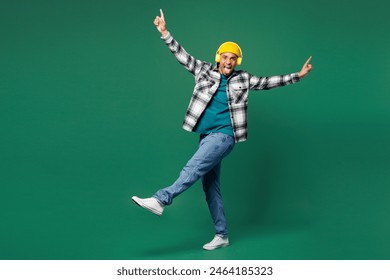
205 164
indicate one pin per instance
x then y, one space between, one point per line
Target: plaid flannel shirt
207 79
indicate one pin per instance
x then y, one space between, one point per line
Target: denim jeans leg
212 149
211 188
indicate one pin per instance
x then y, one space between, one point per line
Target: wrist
164 33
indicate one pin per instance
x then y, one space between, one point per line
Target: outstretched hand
160 24
307 67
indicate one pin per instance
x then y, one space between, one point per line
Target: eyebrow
233 56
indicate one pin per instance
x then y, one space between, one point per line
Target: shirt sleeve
264 83
189 62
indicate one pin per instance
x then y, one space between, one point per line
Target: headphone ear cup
217 57
239 60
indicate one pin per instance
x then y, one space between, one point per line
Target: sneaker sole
139 203
215 247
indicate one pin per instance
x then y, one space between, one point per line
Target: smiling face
227 63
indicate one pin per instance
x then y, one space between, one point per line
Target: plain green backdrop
91 107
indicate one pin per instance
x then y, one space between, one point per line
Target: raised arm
257 83
189 62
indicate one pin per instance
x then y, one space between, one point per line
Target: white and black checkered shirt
207 79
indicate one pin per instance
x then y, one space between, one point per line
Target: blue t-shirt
216 117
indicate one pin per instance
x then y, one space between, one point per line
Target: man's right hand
159 22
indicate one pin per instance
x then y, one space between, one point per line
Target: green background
91 107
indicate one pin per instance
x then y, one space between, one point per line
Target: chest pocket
239 92
204 84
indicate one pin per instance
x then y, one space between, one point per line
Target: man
217 111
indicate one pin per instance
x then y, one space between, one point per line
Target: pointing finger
307 62
162 14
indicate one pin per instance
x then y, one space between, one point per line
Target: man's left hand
307 67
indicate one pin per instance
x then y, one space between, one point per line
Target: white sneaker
151 204
218 242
